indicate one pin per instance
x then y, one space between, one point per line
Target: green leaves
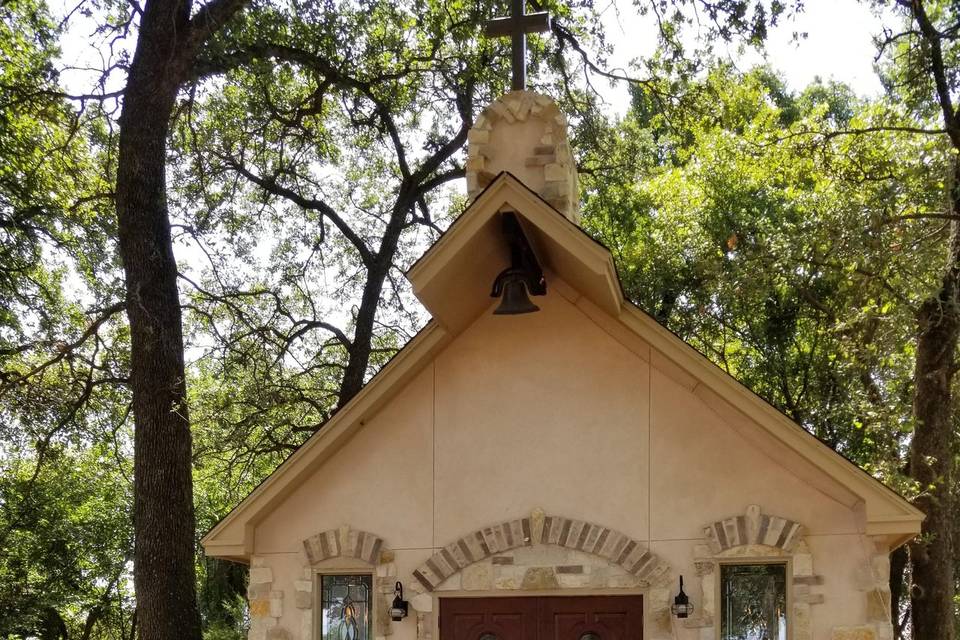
777 248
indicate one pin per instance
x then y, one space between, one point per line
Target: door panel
501 618
605 617
542 618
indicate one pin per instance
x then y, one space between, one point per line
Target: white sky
839 45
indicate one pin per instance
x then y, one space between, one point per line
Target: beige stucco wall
548 411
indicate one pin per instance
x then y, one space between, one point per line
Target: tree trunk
359 357
931 450
164 524
898 566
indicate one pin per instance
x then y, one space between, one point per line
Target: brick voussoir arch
617 548
753 527
344 542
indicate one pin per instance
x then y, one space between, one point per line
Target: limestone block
878 605
881 568
802 564
478 136
306 625
713 541
570 568
258 561
260 626
476 163
387 556
536 524
793 538
453 583
259 608
753 523
276 604
801 621
258 591
554 172
261 575
854 633
662 621
278 633
303 600
500 109
424 626
472 183
303 585
477 577
381 624
506 582
810 598
708 597
574 580
623 581
540 579
422 603
539 161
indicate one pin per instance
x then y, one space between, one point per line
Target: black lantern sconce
523 277
399 608
681 606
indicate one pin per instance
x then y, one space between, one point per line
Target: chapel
550 463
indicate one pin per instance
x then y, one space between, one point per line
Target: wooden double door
542 618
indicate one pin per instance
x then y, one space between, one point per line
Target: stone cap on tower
525 134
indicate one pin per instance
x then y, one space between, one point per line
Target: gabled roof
452 280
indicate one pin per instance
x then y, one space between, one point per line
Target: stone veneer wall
542 553
267 603
755 535
547 553
552 159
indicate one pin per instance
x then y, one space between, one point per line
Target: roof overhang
453 278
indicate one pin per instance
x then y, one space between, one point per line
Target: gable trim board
581 270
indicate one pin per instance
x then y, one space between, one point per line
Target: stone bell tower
523 132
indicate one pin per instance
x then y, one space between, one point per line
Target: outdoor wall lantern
522 278
398 610
681 606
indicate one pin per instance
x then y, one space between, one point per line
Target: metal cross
517 26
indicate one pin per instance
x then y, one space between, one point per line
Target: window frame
317 580
787 563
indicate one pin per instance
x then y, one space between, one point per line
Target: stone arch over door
630 556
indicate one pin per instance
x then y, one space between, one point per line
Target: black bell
515 300
522 278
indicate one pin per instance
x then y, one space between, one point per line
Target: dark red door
542 618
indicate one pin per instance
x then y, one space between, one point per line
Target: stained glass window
753 602
345 602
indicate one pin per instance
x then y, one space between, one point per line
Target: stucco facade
580 449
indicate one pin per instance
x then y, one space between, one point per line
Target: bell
515 299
